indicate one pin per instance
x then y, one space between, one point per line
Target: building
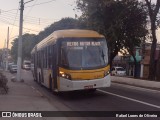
142 55
127 62
146 59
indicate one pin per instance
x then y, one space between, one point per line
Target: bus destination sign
81 44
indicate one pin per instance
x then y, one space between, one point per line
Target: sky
38 14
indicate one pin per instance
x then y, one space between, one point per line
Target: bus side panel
54 67
46 77
35 64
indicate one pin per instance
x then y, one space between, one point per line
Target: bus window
75 57
50 56
94 56
86 53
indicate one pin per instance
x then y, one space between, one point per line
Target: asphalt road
118 97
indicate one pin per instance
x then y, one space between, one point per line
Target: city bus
72 59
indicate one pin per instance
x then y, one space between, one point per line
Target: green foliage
123 22
65 23
14 49
28 43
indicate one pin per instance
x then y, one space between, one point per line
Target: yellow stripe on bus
86 74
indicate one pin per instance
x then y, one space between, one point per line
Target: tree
30 40
14 49
28 43
64 23
122 22
153 12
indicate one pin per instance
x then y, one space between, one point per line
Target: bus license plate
88 87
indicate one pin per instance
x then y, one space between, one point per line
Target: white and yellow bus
72 59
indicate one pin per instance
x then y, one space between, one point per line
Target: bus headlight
65 75
106 73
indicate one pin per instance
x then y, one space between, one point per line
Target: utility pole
7 50
19 62
4 54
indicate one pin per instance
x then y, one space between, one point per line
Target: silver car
13 68
119 71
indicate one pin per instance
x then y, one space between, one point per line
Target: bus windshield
84 53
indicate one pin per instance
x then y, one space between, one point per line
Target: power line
28 18
34 22
14 21
40 3
6 22
28 6
8 14
31 8
42 19
9 10
31 18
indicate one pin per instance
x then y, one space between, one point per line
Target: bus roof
68 33
76 33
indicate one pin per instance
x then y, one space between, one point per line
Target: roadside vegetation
3 84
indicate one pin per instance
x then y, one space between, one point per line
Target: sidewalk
22 97
136 82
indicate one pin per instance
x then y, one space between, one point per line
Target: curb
136 82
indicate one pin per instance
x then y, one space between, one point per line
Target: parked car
13 68
9 65
119 71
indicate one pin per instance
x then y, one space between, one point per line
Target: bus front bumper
71 85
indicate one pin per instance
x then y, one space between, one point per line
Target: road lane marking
131 99
33 87
138 88
37 91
